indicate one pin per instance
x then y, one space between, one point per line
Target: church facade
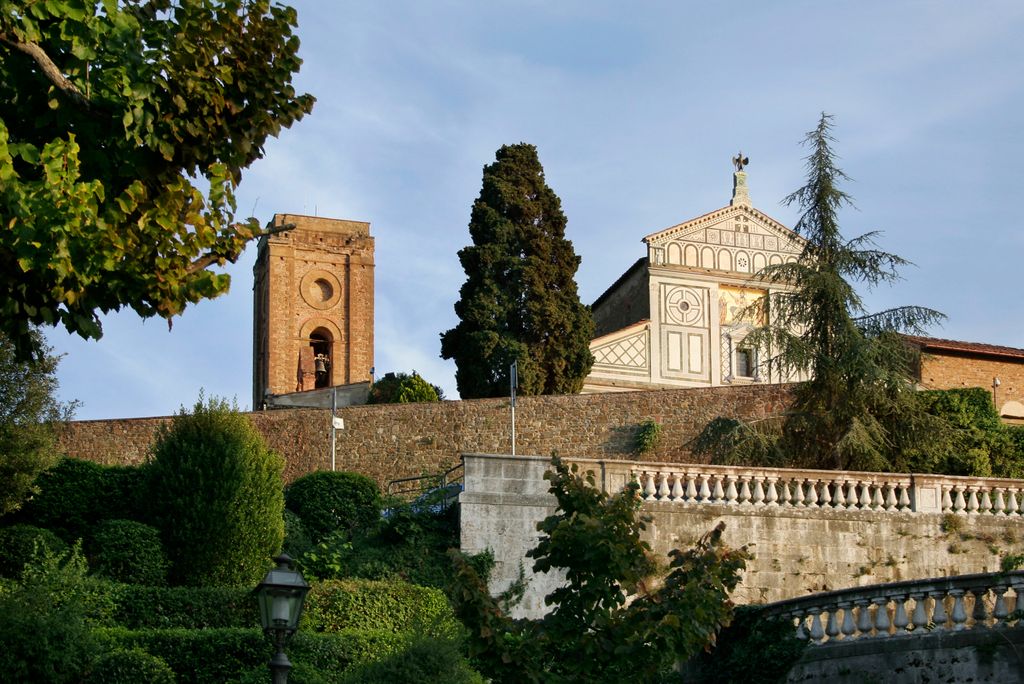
677 317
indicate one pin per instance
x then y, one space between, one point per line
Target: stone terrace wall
403 440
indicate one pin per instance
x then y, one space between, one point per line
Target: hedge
19 544
75 495
215 656
387 606
139 607
128 551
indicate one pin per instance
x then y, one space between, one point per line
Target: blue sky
636 109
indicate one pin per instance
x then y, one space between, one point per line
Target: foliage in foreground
28 410
858 409
590 633
519 301
47 631
752 648
216 495
403 388
128 129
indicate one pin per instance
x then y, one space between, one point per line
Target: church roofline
716 214
643 322
639 263
973 348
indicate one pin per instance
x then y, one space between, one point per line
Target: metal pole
513 380
279 664
334 430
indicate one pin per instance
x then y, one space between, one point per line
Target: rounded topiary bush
20 543
130 666
130 552
216 495
331 501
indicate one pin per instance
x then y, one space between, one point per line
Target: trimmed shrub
301 673
296 539
20 543
128 551
424 661
330 501
390 606
215 492
214 656
75 495
130 666
140 607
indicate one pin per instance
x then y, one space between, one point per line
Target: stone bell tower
312 306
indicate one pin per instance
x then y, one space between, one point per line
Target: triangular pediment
725 226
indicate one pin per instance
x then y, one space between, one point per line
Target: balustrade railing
838 490
981 601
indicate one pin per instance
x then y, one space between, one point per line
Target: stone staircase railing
688 484
913 607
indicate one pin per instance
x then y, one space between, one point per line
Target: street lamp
280 596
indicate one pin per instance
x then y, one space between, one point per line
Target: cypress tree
519 301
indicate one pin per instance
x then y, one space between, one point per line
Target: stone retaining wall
404 440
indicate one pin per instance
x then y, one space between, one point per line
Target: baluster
939 613
677 488
999 507
1018 591
877 502
812 494
705 491
771 497
959 504
986 503
730 489
972 500
663 490
817 633
863 618
798 493
947 502
959 613
848 628
881 615
758 492
649 489
900 620
865 495
832 628
785 499
999 609
904 504
691 488
838 499
801 633
890 497
718 496
824 494
851 495
745 491
1011 502
980 612
919 618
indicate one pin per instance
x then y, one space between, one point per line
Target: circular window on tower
320 289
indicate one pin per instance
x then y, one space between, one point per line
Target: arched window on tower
323 360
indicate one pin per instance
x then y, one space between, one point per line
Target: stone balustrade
914 607
836 490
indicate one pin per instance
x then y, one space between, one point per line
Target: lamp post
281 595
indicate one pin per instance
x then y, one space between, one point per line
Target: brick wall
403 440
947 371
